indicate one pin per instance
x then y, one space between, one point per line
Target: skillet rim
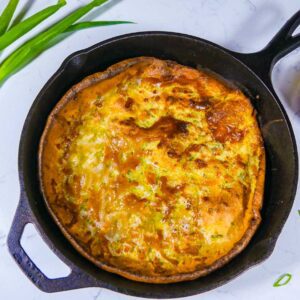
257 199
270 243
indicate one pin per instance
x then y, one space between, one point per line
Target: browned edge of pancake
238 247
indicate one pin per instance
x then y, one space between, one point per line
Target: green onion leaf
7 15
35 46
90 24
20 29
283 280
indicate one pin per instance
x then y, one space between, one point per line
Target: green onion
7 15
35 46
283 280
20 29
90 24
299 212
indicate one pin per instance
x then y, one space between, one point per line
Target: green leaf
90 24
7 15
20 29
283 280
35 46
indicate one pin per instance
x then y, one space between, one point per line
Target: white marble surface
240 25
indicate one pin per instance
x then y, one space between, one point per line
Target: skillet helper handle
284 42
22 217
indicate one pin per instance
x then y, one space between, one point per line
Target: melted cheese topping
154 169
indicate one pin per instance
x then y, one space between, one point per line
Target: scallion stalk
23 27
31 49
7 14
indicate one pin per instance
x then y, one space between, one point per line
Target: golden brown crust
221 129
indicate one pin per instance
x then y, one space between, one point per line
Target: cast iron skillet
250 71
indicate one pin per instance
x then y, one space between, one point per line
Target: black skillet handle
284 42
74 280
262 64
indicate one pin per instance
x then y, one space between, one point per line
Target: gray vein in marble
225 292
253 6
297 67
30 236
2 239
289 252
3 178
98 294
